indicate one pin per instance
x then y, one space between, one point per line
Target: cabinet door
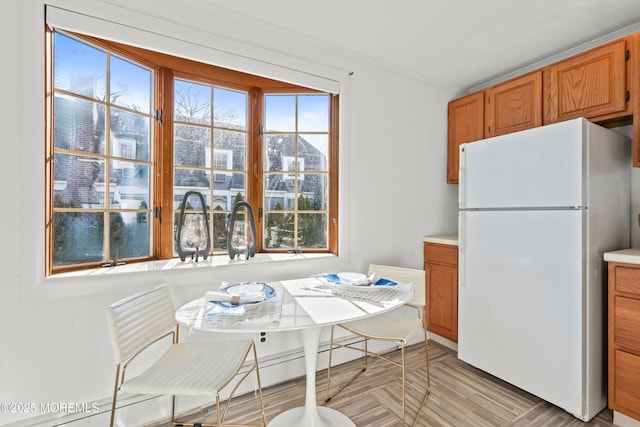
514 105
442 300
591 85
626 391
466 124
624 340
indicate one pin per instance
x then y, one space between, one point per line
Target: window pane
79 68
130 135
77 237
279 230
232 144
129 234
312 151
280 113
278 192
130 85
230 109
220 231
79 180
312 231
314 189
313 113
190 179
229 192
78 124
192 146
288 155
128 184
278 149
192 102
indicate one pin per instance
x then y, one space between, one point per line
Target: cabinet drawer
441 254
626 393
626 318
627 279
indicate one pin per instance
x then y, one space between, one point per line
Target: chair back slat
403 274
138 320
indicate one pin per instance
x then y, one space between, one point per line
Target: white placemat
388 294
213 315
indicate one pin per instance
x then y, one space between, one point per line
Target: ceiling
454 43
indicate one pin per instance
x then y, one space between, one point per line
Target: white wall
55 346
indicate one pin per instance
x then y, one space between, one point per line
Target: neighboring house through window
131 131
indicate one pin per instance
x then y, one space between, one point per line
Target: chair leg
426 394
326 396
255 358
404 423
346 383
173 410
426 356
115 396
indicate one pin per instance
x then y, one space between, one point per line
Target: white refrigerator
537 210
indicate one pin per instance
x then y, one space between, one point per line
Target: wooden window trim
166 68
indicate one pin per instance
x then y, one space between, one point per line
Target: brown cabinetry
514 105
441 270
592 85
466 124
601 84
624 338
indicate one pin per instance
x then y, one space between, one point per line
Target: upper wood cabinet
601 84
514 105
466 124
592 85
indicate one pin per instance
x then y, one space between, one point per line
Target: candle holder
241 238
193 237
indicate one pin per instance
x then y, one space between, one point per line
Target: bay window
130 131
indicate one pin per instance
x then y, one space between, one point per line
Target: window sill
175 264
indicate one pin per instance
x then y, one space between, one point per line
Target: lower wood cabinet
624 338
441 270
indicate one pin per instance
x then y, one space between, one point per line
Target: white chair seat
385 328
191 369
143 320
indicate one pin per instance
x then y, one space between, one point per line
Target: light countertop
628 256
443 240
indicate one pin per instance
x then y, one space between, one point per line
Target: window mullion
163 180
255 162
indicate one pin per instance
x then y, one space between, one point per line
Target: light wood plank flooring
460 396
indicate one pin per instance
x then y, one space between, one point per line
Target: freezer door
542 167
522 305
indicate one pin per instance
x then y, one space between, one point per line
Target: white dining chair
191 369
388 328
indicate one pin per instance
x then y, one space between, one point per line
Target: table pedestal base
324 417
310 415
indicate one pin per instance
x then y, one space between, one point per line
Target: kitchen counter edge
627 256
444 240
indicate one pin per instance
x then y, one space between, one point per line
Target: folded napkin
216 296
371 280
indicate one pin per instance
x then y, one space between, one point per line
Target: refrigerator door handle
462 174
461 245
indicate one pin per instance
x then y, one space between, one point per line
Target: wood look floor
461 395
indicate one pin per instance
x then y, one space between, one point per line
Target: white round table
306 306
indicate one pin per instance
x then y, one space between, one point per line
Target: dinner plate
247 288
347 277
344 281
